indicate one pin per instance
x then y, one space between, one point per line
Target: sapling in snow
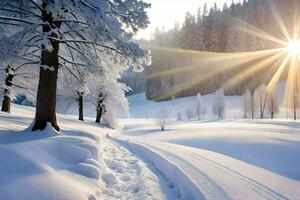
162 119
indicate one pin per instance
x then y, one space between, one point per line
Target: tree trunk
8 84
46 95
6 104
100 111
272 115
98 116
80 104
252 105
100 108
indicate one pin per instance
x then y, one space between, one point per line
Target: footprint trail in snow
127 177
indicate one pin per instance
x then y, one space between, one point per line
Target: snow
208 159
233 159
79 162
141 108
215 159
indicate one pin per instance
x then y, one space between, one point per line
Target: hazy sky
164 13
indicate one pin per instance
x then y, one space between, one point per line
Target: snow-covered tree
200 108
219 106
105 26
246 105
107 94
114 101
261 98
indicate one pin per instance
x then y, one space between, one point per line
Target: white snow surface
221 159
77 163
190 160
211 159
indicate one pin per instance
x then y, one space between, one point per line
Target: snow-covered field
77 163
142 108
222 160
229 159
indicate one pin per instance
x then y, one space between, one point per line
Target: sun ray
290 88
209 59
183 86
253 69
272 84
254 31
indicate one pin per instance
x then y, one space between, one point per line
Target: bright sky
164 13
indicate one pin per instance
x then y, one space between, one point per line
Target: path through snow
196 157
127 177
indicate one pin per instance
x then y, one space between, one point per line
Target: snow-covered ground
222 160
142 108
210 159
80 162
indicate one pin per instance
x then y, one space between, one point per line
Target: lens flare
293 47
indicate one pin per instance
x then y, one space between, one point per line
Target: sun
293 47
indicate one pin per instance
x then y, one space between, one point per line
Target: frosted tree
107 94
246 105
103 26
200 108
112 100
219 106
261 97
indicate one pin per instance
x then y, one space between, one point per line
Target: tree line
217 30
